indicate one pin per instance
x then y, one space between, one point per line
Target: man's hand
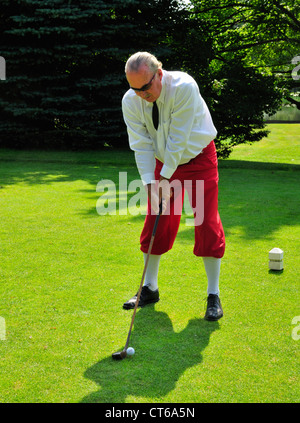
153 198
165 192
158 192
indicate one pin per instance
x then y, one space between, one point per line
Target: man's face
149 81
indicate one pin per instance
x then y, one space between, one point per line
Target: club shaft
143 276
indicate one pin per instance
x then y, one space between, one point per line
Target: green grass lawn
65 272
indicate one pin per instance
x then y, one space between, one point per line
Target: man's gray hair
142 58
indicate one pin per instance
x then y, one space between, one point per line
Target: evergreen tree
65 64
65 68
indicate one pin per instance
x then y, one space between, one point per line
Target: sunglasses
146 86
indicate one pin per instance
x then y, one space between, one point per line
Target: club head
119 355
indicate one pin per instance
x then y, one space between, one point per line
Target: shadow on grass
276 272
249 164
255 196
161 357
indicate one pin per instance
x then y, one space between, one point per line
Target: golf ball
130 351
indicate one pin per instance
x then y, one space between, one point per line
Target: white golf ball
130 351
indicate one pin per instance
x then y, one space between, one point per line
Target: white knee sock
212 267
151 275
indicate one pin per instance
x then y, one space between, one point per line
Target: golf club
122 354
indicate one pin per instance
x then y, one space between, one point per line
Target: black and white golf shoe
147 297
214 309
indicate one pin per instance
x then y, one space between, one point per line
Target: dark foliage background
65 65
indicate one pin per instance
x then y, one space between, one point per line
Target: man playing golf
171 131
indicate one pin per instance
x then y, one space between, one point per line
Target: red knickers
203 196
